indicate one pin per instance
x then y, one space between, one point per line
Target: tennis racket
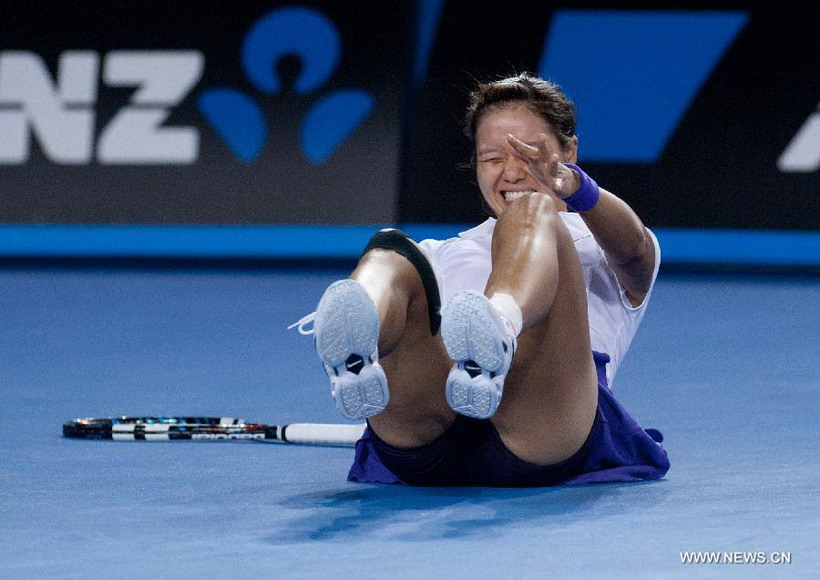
168 428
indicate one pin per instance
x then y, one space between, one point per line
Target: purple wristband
587 195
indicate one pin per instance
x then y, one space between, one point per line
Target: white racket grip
321 434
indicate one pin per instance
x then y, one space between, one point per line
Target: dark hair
542 97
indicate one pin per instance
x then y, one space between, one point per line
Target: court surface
724 365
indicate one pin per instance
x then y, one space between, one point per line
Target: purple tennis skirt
471 452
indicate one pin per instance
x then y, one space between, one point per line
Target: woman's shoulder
472 242
482 231
480 234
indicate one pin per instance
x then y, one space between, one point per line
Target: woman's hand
545 166
628 246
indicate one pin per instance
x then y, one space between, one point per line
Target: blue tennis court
724 365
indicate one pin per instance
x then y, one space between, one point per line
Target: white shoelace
302 323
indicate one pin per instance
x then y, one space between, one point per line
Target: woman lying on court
487 359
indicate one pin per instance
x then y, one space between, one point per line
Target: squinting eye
491 160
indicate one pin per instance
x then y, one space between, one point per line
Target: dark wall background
357 183
717 166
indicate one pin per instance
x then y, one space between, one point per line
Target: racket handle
321 434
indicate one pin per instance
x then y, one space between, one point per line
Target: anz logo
62 115
61 112
308 34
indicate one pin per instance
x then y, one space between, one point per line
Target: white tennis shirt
463 263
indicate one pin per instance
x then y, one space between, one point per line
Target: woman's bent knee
530 218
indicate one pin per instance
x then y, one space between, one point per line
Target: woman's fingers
522 150
553 164
543 163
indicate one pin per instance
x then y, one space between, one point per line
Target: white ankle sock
509 308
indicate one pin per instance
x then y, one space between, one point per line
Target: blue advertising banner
699 114
147 128
192 113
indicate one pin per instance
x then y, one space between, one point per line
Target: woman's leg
550 394
414 360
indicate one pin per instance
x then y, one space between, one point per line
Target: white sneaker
346 336
481 342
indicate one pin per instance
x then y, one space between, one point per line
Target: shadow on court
725 366
425 514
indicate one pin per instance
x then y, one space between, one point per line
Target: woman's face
499 172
